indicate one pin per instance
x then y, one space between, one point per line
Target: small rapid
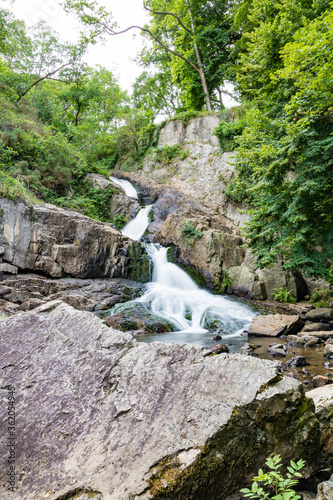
126 185
173 296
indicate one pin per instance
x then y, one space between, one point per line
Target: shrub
273 483
283 295
166 154
190 233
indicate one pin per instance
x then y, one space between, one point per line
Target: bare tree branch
41 79
167 14
111 32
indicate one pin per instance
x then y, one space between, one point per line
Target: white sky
118 52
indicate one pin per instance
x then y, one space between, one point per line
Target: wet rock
311 341
325 314
320 381
324 335
278 350
247 350
274 325
218 348
316 327
328 351
92 401
296 340
217 337
134 316
297 361
328 366
329 341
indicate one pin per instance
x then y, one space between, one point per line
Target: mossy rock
134 316
138 267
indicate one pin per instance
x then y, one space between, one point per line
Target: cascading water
127 187
175 297
135 228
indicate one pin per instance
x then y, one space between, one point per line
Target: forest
60 118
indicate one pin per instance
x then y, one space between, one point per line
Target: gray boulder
274 325
102 416
322 313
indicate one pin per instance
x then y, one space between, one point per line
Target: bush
283 295
166 154
274 483
321 297
190 233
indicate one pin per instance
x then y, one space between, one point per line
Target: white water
127 187
135 228
175 297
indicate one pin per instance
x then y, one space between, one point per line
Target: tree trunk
200 66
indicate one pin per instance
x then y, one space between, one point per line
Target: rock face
58 242
193 189
102 416
197 130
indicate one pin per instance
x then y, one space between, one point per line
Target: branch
110 32
167 14
41 79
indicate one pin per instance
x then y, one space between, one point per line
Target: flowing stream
173 296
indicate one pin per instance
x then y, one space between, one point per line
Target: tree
32 56
285 153
176 28
156 94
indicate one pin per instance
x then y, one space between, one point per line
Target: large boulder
58 242
323 400
274 325
100 415
133 316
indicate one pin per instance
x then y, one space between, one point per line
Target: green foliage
167 154
186 116
321 297
119 220
190 233
283 295
222 283
284 166
272 485
229 129
13 189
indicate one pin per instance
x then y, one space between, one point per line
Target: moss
138 263
234 453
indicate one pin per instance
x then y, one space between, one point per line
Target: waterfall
127 187
135 228
174 296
